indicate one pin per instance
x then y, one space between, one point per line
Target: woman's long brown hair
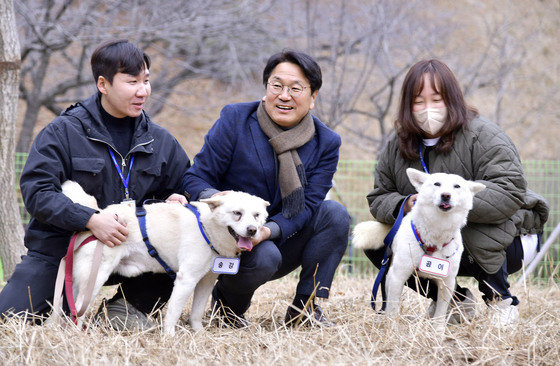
458 112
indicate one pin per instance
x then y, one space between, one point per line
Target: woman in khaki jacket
438 132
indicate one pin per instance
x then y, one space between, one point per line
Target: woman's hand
409 203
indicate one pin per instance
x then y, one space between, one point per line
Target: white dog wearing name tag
229 221
428 241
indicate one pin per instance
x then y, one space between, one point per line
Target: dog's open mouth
243 242
444 206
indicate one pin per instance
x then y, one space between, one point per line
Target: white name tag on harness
434 266
226 265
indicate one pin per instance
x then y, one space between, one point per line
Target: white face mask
431 120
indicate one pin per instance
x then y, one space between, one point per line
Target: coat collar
95 129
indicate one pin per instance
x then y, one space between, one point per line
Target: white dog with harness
428 241
195 244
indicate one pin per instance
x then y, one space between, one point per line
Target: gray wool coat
502 211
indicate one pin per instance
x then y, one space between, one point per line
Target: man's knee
29 287
335 216
265 259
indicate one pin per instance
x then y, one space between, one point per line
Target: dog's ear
213 202
416 177
476 187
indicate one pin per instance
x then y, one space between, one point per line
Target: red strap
428 249
68 274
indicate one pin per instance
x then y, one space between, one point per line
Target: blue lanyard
125 181
422 160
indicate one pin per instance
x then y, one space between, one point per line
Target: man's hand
221 193
107 228
263 235
409 203
177 198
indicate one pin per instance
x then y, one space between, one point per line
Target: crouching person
438 132
109 145
275 149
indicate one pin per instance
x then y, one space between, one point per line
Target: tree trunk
33 105
29 121
11 230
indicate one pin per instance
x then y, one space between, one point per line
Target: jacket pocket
149 182
89 173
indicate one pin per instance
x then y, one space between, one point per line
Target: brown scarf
291 172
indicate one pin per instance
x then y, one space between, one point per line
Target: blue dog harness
141 214
195 212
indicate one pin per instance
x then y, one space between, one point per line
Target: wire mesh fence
354 180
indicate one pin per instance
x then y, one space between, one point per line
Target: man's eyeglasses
277 88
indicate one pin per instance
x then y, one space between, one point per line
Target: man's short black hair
116 56
308 65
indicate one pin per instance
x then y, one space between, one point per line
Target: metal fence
354 179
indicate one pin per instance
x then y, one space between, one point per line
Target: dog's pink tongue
244 243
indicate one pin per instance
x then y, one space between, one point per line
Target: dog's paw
169 330
369 234
196 325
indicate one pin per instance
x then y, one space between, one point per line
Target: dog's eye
257 215
237 213
456 186
437 184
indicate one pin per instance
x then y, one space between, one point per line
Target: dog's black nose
445 197
251 231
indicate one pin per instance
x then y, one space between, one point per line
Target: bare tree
364 49
218 39
11 230
505 68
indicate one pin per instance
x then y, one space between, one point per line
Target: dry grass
361 336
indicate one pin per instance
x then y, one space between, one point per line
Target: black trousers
492 286
317 249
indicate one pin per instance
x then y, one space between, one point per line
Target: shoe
122 316
296 317
226 317
461 309
503 313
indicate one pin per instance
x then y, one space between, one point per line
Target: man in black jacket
109 145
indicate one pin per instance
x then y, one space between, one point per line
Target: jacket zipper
123 159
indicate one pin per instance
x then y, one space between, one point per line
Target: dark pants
31 288
492 286
317 248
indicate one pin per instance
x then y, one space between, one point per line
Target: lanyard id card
129 202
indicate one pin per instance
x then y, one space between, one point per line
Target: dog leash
388 241
141 215
64 279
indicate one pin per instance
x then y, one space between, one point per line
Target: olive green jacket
502 211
